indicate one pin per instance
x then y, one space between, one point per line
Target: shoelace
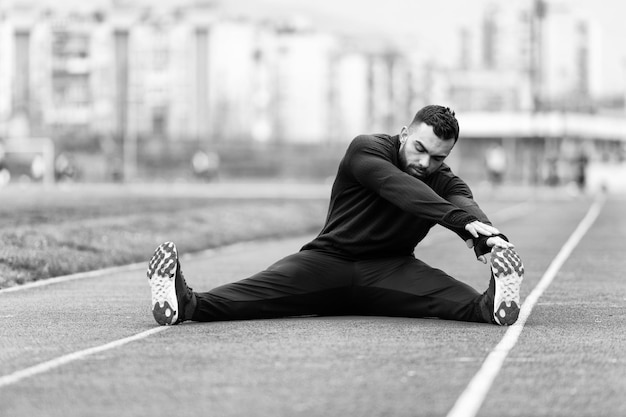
189 289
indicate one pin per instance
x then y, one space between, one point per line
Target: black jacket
377 210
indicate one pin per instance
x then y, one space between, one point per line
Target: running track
87 345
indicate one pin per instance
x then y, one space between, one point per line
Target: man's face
421 151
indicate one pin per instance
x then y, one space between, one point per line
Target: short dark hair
441 119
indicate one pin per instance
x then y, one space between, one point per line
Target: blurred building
527 58
53 72
572 50
373 90
232 80
300 60
188 74
146 87
7 69
493 72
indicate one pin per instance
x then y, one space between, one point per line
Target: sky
431 26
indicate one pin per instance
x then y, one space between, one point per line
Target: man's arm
459 194
370 165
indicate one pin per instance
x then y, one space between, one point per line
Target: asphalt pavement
568 362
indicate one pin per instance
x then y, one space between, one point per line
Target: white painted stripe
62 360
72 277
470 401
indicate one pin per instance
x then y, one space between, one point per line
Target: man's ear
404 134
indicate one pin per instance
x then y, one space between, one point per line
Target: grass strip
58 245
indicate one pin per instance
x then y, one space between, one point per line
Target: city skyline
419 22
192 59
132 80
408 24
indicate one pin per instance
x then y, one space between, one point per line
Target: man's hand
475 228
491 242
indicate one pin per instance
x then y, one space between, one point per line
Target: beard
411 169
417 172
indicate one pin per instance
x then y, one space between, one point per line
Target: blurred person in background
65 168
581 160
205 165
552 170
5 175
38 168
388 193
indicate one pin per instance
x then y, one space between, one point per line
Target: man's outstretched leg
407 287
172 300
304 283
504 288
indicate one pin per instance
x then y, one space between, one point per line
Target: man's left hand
476 228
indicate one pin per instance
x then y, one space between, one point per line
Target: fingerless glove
480 244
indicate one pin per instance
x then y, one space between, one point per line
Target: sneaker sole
508 270
162 274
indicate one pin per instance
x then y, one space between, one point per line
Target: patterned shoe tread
506 261
506 315
161 273
163 261
508 272
163 314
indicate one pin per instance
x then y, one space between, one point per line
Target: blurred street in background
207 91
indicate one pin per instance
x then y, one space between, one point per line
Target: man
388 193
5 175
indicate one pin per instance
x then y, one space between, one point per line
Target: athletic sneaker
172 300
508 273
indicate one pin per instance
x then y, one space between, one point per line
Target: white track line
71 357
62 360
470 401
81 275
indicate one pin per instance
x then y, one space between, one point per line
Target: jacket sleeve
458 193
372 167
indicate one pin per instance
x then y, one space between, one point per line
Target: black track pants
316 283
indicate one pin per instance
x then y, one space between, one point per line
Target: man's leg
305 283
410 288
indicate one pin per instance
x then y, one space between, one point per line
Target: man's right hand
491 242
476 228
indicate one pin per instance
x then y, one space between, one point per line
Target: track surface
568 361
